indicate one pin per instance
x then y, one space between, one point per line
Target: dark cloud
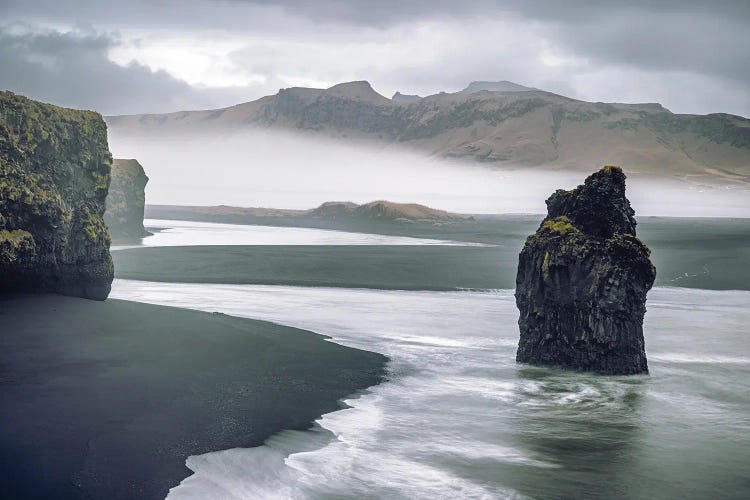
385 12
72 69
229 13
702 37
711 45
673 44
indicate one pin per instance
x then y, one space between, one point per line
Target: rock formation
582 282
126 200
406 98
503 86
54 175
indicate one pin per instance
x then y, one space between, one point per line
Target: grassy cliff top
26 124
13 107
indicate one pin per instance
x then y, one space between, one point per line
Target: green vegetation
718 127
436 121
34 123
26 196
15 246
15 237
560 225
54 176
611 169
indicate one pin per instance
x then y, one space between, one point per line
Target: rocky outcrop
54 175
406 98
126 200
503 86
582 282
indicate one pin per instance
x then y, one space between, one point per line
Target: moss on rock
559 225
54 174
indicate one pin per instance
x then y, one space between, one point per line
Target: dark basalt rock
582 282
54 175
126 200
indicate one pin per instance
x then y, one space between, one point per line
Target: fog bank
282 170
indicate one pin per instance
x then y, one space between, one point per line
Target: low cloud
286 170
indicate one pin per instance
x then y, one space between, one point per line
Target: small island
582 282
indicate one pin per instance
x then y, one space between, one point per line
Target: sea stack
582 282
126 200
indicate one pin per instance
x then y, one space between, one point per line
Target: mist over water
283 170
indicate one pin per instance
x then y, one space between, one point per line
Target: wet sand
108 399
709 255
357 266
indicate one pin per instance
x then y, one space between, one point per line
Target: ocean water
458 418
182 233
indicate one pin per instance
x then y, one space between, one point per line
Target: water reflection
587 425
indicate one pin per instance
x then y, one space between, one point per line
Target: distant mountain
374 211
406 98
499 128
503 86
381 210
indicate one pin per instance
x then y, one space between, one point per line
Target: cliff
582 282
54 175
496 124
126 200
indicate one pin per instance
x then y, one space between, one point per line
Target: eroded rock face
126 200
54 175
582 282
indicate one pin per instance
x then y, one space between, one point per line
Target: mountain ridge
377 210
526 128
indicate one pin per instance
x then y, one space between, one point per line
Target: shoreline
109 399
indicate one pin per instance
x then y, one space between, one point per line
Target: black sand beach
108 399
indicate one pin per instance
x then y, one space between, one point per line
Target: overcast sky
157 56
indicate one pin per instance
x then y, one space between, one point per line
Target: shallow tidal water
458 418
172 233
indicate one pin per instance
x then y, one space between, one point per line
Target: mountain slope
507 128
